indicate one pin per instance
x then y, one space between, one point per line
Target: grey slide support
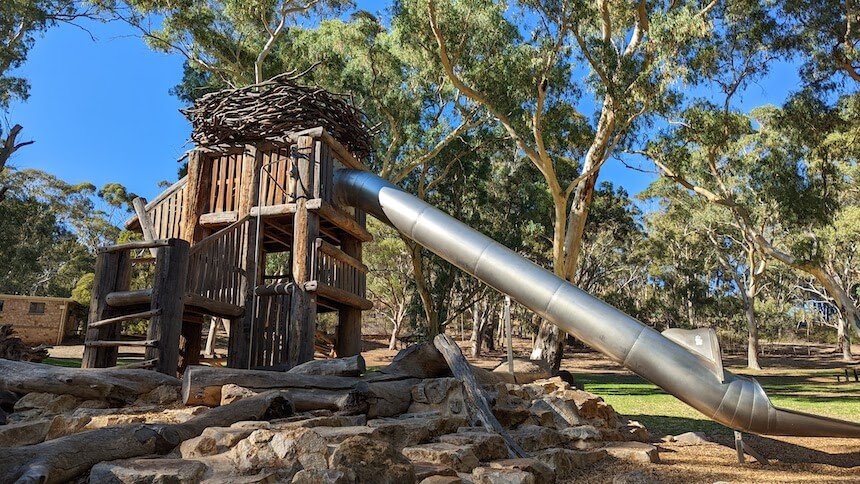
686 364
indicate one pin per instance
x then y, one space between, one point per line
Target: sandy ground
792 459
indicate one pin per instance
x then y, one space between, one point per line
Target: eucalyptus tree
388 283
568 87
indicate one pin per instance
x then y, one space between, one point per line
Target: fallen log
201 385
425 361
348 366
91 383
462 371
65 458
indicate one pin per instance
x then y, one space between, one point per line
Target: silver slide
686 364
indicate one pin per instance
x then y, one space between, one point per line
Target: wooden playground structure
210 236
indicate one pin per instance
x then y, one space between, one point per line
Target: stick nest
273 109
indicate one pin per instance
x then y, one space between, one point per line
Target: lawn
812 391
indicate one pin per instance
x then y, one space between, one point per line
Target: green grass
812 391
76 362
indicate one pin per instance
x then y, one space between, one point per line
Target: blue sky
101 111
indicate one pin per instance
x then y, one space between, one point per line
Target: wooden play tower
212 237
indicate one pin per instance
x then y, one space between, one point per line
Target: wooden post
348 342
112 273
196 195
303 309
252 161
145 222
240 346
168 296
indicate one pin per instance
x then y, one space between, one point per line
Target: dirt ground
792 459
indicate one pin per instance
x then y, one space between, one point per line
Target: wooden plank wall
167 215
217 264
225 189
277 184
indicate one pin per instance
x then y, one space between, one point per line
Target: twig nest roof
273 109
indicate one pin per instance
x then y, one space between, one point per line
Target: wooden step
125 317
339 295
150 343
193 302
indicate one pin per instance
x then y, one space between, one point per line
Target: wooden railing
337 269
166 211
270 346
217 264
277 183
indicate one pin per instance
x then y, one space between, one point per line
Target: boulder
442 480
148 471
63 425
541 472
24 433
633 452
490 475
525 371
486 445
442 395
423 470
633 430
458 457
582 436
324 476
691 438
302 444
231 393
564 462
47 403
534 438
372 461
336 435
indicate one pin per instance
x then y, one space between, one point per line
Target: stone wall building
38 320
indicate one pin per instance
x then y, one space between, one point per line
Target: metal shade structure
684 363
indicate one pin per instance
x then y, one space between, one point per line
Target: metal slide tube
735 401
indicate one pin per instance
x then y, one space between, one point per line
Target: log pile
12 348
428 414
272 109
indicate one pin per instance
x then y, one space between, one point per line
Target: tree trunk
398 322
91 383
477 330
421 285
489 329
752 328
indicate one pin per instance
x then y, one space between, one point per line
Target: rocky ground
565 431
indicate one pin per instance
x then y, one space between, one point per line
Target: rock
372 461
442 480
525 370
442 395
564 462
423 470
199 446
533 438
633 430
692 438
47 403
510 410
226 437
24 433
489 475
635 477
541 472
554 413
590 406
410 430
302 444
582 436
633 452
162 395
254 453
458 457
319 421
63 425
95 404
336 435
486 445
147 471
231 393
324 476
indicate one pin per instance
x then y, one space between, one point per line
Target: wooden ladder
113 303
